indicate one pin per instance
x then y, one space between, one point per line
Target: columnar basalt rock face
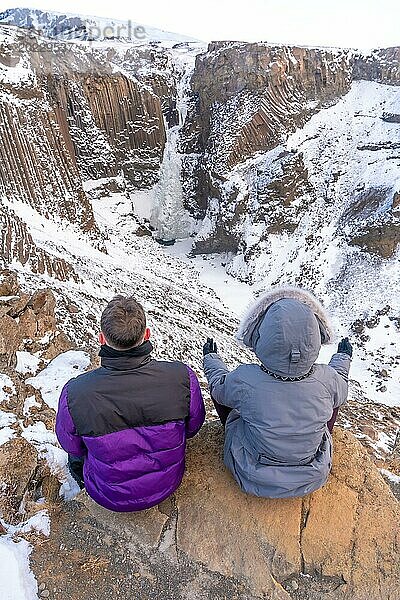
132 119
67 116
36 164
381 65
17 244
247 100
113 123
249 96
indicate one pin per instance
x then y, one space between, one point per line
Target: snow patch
17 582
7 388
27 363
61 369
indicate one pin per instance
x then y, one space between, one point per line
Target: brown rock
145 526
10 338
61 343
73 309
8 283
143 231
43 302
381 240
51 488
17 306
344 537
326 535
369 431
28 324
231 533
46 324
18 462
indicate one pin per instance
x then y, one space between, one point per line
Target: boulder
8 283
340 543
43 302
345 537
11 336
18 463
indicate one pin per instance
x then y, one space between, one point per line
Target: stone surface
26 319
211 540
232 533
18 462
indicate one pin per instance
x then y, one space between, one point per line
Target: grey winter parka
277 443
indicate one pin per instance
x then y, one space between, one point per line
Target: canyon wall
246 102
71 113
246 98
66 116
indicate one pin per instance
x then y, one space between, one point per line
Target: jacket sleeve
66 432
197 411
217 374
340 362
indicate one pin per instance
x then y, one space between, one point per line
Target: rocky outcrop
132 119
114 124
248 97
25 319
17 244
18 464
374 222
382 65
342 542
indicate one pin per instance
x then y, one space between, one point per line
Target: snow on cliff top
72 27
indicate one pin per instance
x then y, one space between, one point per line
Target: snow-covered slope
67 26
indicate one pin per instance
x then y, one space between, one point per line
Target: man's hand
345 347
210 347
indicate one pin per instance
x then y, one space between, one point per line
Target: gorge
268 165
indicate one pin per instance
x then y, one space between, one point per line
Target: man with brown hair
126 423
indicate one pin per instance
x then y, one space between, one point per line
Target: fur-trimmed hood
286 327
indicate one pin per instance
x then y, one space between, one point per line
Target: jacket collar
125 360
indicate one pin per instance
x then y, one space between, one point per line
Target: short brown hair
123 322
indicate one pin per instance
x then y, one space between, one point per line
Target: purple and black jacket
129 420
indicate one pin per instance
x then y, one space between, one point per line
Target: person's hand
210 347
345 347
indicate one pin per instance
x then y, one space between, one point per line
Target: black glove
345 347
209 347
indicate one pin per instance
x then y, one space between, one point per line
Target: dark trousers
75 467
223 414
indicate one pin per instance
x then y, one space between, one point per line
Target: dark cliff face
67 115
381 65
246 99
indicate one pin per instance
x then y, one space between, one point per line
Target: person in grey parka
279 414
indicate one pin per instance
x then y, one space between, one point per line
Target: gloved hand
345 347
209 347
